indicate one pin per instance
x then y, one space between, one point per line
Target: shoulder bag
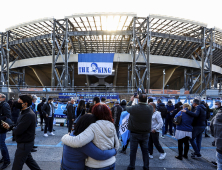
78 117
177 120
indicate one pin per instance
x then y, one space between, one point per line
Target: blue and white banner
123 127
95 63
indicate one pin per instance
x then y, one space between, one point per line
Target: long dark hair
84 122
81 105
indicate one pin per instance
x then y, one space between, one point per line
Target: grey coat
216 130
140 119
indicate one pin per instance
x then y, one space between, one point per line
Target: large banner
95 63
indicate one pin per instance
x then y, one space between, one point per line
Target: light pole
163 79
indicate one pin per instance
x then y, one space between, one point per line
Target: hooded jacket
102 134
199 115
216 130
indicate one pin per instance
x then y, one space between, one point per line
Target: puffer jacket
216 130
102 134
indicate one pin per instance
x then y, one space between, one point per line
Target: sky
14 12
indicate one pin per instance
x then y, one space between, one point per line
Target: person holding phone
24 132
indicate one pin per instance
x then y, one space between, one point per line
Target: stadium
151 53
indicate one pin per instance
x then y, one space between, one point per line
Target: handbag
177 120
78 118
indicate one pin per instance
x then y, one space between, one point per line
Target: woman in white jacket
157 124
102 134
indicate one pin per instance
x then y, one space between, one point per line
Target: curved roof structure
111 32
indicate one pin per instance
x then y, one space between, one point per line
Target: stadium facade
44 53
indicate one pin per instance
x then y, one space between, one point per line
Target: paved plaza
49 154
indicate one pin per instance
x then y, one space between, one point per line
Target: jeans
142 140
168 122
117 131
197 138
48 124
3 147
163 128
154 139
70 125
111 167
219 161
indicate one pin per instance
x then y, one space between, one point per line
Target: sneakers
162 156
51 134
45 135
5 165
162 136
151 156
195 156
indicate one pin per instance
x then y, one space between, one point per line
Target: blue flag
123 127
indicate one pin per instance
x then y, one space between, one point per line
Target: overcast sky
13 12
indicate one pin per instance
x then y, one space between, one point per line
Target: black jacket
199 115
15 112
40 107
162 109
24 130
5 112
71 111
78 112
46 109
140 117
116 113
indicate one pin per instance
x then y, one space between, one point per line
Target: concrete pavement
49 154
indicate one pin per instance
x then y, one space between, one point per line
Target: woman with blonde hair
184 132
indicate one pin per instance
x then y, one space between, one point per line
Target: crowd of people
93 138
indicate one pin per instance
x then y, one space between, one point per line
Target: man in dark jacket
116 113
24 132
39 108
140 127
71 114
199 125
48 113
169 122
216 131
5 112
123 104
163 110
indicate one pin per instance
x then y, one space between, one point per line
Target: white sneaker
162 137
51 134
151 156
162 156
45 135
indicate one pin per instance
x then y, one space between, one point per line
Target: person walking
39 108
24 132
48 115
157 123
123 104
173 114
199 126
184 132
169 122
140 126
116 113
216 132
5 112
71 114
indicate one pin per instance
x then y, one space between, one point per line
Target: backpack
163 111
